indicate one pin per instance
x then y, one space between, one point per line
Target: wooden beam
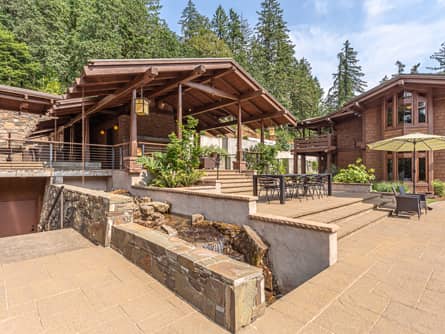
211 90
245 121
225 103
197 72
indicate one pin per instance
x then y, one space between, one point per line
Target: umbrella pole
414 168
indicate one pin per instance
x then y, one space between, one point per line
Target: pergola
216 91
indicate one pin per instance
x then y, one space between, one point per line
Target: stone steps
232 182
354 223
21 165
337 214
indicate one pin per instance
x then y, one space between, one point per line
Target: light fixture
102 132
142 105
115 127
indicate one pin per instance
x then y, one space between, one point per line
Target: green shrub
386 187
263 159
209 150
438 188
355 173
178 166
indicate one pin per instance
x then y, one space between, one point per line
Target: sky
382 31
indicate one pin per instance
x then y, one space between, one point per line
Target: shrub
178 166
355 173
438 188
209 150
386 187
263 159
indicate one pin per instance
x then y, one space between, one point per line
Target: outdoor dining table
282 182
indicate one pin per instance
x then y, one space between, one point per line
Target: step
214 172
226 177
337 214
4 165
243 188
354 223
233 183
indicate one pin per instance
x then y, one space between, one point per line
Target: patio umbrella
410 143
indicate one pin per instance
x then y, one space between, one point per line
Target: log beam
211 90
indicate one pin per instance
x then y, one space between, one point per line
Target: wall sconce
115 127
102 132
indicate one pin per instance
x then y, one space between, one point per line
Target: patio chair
269 185
422 198
407 203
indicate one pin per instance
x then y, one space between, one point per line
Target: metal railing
67 155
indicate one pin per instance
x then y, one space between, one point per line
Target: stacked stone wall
20 125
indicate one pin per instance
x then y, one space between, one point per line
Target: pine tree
347 80
192 22
206 44
272 51
17 67
220 23
239 36
439 56
415 68
400 67
385 78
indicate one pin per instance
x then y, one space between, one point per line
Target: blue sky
382 31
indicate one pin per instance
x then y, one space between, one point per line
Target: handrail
54 204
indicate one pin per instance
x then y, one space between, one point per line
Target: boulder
197 218
146 210
169 230
160 206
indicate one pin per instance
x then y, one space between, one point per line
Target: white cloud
375 8
321 6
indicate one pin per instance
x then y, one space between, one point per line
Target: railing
66 155
315 143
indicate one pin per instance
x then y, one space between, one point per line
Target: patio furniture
407 203
269 185
422 198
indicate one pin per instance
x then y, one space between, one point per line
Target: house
405 104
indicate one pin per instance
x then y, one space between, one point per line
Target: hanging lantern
142 105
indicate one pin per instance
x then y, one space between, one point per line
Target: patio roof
212 90
26 100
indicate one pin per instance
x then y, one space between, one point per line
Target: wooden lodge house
405 104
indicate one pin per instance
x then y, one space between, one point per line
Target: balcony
322 143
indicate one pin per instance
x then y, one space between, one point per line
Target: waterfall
216 246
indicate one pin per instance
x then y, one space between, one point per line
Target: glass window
389 164
389 113
421 109
422 169
405 108
404 169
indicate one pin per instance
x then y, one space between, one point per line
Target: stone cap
113 198
295 222
188 191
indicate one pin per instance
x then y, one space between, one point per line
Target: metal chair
407 203
269 185
422 198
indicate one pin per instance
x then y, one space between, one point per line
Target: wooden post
239 139
179 111
303 164
133 127
329 162
71 142
83 136
262 131
87 139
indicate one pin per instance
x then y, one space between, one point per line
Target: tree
192 22
206 44
385 78
400 67
17 67
347 80
273 51
439 56
220 23
415 69
239 36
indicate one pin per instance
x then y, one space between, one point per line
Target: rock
255 248
143 199
157 218
169 230
197 218
160 206
146 210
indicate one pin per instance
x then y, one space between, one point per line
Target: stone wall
90 212
18 124
229 292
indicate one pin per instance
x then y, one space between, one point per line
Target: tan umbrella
410 143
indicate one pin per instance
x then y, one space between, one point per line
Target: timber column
239 164
130 161
179 114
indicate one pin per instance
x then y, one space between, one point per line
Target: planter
352 187
207 163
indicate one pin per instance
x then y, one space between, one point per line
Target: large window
389 106
405 108
421 110
404 169
422 169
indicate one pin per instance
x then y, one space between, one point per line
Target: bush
438 188
263 159
178 166
355 173
386 187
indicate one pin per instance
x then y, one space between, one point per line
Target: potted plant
209 156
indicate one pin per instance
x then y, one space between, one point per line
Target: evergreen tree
192 22
17 67
385 78
206 44
415 69
220 23
400 67
439 56
239 37
347 80
272 51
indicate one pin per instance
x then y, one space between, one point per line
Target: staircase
21 165
352 216
232 182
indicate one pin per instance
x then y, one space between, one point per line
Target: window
422 169
389 113
404 169
389 164
405 108
421 110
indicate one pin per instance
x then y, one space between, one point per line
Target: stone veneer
18 124
229 292
88 211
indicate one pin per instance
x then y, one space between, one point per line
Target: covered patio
133 105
